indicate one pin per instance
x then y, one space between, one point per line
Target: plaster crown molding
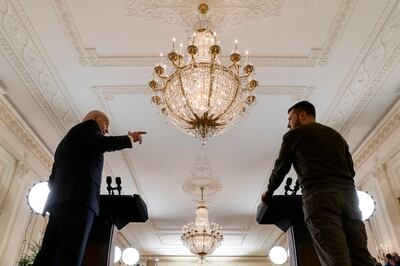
378 57
107 93
23 48
221 12
226 12
23 166
17 125
389 124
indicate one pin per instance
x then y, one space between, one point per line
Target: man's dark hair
303 106
389 256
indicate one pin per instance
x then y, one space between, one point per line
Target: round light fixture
117 254
130 256
37 196
278 255
366 204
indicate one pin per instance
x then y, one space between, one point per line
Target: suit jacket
78 165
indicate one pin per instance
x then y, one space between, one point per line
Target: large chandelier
202 96
201 237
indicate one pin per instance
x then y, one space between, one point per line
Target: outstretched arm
97 141
282 165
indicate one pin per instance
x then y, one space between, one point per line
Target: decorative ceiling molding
378 57
298 93
2 88
240 233
107 93
389 124
27 55
220 12
193 259
336 29
90 58
17 125
23 48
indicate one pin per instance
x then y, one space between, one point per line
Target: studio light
278 255
130 256
117 254
37 196
366 204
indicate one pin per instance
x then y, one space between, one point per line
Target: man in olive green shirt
324 167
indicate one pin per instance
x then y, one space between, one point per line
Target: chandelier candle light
201 237
201 96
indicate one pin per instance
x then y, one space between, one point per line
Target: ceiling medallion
201 96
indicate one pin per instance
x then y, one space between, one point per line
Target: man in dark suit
323 163
75 187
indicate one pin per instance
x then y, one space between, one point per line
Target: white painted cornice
21 129
389 124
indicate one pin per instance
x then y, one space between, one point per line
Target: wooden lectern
115 211
286 212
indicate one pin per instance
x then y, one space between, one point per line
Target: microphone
288 183
118 182
296 187
109 187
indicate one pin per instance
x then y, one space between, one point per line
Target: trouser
334 221
66 236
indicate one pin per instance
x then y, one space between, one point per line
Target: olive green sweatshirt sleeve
284 160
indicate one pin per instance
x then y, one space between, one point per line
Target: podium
115 211
286 212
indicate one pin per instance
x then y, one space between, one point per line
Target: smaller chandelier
201 237
201 96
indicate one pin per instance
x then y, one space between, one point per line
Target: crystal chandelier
201 237
202 96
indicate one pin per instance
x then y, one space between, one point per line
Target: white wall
377 163
23 161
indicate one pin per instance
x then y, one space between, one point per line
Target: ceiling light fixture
201 237
202 96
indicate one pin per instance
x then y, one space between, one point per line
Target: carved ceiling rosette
185 13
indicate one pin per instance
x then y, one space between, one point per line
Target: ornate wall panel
22 131
23 161
8 165
377 161
383 132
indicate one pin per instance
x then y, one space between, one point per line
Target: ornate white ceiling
62 58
